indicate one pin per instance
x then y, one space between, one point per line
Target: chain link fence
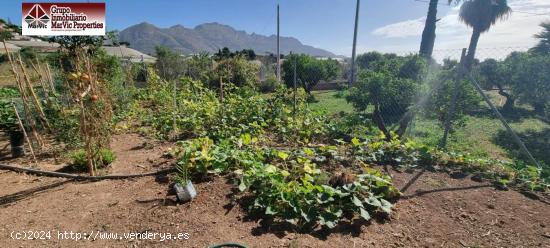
419 99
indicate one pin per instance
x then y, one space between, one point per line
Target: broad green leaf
355 141
330 224
268 211
270 169
364 214
357 202
308 169
242 186
309 152
373 201
292 221
305 216
285 173
282 155
386 206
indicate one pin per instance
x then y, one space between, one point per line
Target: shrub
270 84
309 71
79 161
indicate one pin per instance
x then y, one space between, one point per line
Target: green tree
529 74
199 66
365 60
223 53
481 15
494 74
247 53
236 71
543 47
440 97
380 89
389 84
309 71
170 64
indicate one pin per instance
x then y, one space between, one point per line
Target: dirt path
436 211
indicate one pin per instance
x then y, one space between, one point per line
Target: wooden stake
24 132
41 79
34 96
50 78
23 93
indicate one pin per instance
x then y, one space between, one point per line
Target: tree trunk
377 118
307 88
539 108
510 100
428 35
472 49
404 123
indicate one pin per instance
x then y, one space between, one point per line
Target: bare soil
435 211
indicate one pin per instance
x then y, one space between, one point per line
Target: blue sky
385 25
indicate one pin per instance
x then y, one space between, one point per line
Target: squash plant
289 185
301 198
8 119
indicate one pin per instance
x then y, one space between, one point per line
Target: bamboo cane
43 76
33 93
50 78
24 132
41 79
23 93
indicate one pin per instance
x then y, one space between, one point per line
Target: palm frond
543 46
482 14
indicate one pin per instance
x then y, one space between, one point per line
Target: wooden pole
278 47
22 91
50 78
22 127
221 90
33 93
174 96
352 80
295 88
38 70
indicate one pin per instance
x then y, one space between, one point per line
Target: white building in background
36 44
127 53
340 60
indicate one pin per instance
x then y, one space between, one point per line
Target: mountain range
210 37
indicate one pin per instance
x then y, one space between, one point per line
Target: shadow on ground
21 195
537 142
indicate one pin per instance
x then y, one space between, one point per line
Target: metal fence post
454 97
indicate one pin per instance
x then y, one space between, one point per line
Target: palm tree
543 47
428 35
481 15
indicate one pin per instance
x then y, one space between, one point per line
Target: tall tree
480 15
494 74
543 47
309 71
428 35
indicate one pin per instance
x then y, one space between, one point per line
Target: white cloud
401 29
515 32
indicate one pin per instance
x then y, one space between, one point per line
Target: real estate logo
37 17
63 18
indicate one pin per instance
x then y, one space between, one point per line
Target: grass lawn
330 102
481 134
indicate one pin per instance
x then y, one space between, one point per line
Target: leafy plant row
292 185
